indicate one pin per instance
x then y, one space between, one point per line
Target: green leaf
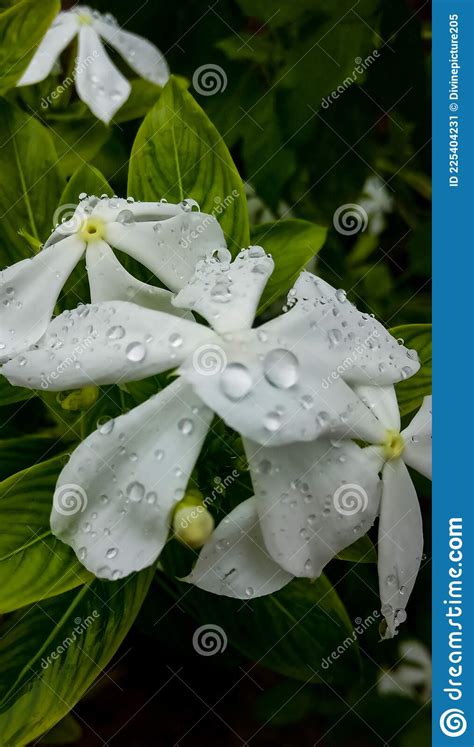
51 653
410 392
292 243
361 551
31 182
10 394
291 632
143 96
21 29
86 179
19 453
67 731
178 153
34 565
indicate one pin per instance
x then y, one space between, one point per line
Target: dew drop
236 381
135 492
281 368
136 352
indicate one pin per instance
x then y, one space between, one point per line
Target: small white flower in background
377 202
167 239
267 385
98 82
413 675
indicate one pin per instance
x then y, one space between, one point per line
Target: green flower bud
192 522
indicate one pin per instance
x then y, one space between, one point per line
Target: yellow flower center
393 446
85 18
92 229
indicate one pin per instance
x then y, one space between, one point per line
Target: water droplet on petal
136 352
236 381
116 333
186 426
126 218
281 368
135 491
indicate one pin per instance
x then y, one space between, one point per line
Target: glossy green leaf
21 29
34 564
291 632
179 154
51 653
292 243
361 551
10 394
86 179
410 392
17 454
31 182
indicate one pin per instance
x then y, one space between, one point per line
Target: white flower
314 499
266 383
377 201
412 678
167 239
98 82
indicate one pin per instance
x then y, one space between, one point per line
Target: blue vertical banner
453 359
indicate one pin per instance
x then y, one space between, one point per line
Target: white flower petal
171 247
110 281
110 208
356 347
313 499
139 53
65 26
235 562
417 437
269 394
29 291
382 400
125 479
99 83
400 544
106 343
227 293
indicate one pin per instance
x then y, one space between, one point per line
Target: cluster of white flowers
302 438
310 392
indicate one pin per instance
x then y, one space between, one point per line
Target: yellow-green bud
79 399
192 522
